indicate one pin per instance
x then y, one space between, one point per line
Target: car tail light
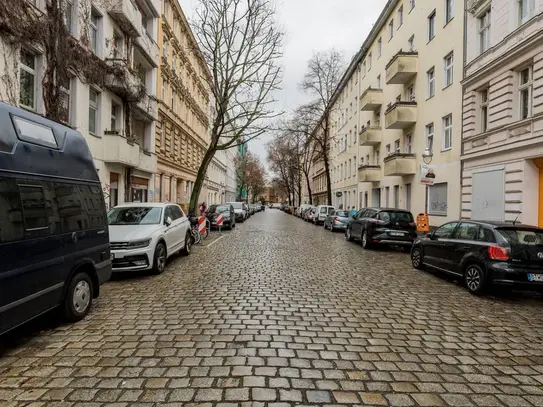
498 253
412 224
336 219
377 221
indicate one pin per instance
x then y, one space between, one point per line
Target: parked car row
482 254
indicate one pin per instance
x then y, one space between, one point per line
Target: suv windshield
392 216
527 237
134 216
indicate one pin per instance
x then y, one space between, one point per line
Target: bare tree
250 174
324 72
242 47
284 162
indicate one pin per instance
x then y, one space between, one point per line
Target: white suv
144 235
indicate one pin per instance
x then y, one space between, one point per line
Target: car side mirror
168 221
430 236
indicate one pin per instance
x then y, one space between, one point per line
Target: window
448 64
376 157
449 10
408 197
431 77
27 80
411 43
447 133
11 221
387 196
34 132
350 166
93 30
408 143
115 110
34 213
525 10
165 49
397 146
369 62
68 12
411 4
364 69
411 93
388 150
466 231
484 31
437 199
367 159
525 92
400 17
379 47
396 196
93 111
432 26
378 83
445 231
391 29
65 93
483 109
430 136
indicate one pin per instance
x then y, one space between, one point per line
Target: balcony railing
371 136
369 173
371 99
402 67
120 150
401 115
126 14
148 46
400 164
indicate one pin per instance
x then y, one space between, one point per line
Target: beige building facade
401 95
182 130
502 158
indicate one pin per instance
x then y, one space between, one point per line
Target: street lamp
427 156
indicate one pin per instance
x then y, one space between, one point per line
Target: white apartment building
122 33
231 183
216 179
502 157
405 92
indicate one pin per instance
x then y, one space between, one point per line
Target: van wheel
78 300
187 249
159 259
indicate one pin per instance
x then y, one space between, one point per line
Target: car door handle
101 232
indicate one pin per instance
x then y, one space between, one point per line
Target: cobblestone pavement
282 313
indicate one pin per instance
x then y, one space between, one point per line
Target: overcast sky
312 26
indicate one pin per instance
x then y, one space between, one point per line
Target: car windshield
396 216
343 214
222 209
527 237
138 215
237 205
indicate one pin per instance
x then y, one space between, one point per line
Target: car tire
159 258
364 240
474 279
348 235
78 298
417 258
187 249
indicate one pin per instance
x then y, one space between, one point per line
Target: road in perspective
264 315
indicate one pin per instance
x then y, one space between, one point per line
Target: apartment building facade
122 33
182 128
405 92
502 157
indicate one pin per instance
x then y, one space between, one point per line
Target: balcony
371 99
401 115
147 108
148 46
126 14
402 67
371 136
125 80
120 150
400 164
369 173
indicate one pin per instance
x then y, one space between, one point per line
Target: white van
321 213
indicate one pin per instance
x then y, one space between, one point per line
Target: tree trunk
327 163
299 189
200 180
308 181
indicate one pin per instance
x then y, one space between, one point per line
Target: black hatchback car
484 253
228 215
382 226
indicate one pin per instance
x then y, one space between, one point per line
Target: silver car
337 220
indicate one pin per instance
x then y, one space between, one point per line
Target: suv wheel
416 258
474 279
78 300
348 235
188 245
159 259
365 242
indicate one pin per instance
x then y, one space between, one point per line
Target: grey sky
312 26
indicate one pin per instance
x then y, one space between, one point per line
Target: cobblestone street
282 313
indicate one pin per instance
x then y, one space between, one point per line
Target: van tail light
498 253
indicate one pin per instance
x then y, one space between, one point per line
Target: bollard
202 225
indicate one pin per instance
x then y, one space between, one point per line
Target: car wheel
78 300
365 240
348 235
331 228
474 279
159 259
416 258
187 249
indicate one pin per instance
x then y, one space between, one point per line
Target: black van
54 241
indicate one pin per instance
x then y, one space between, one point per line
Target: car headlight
139 244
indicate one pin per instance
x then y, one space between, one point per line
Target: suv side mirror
168 221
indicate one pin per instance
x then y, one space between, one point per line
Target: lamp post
427 156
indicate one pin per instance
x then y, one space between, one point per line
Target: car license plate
535 277
396 233
112 256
